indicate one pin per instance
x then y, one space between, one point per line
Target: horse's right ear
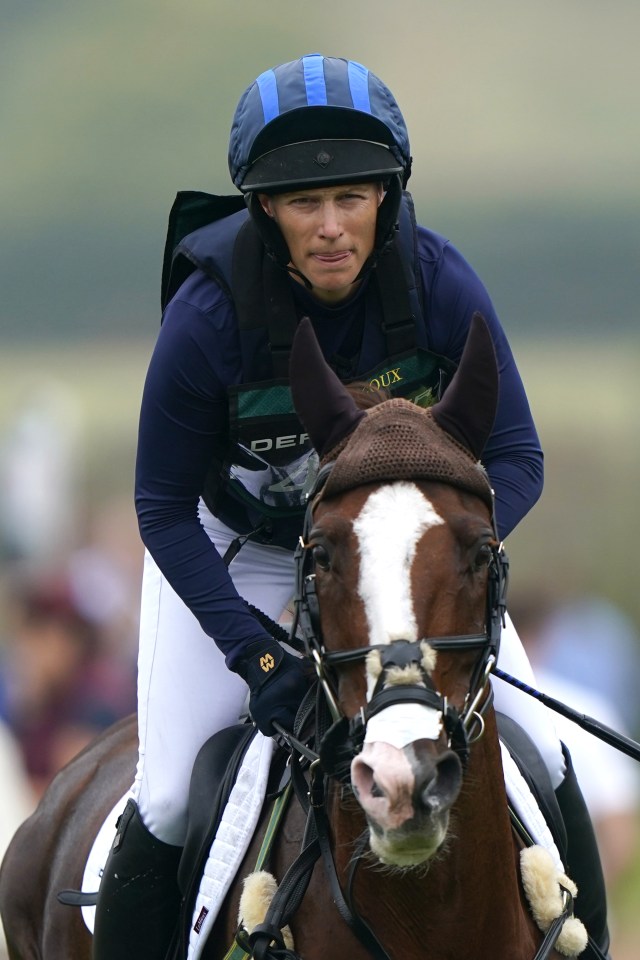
327 411
468 407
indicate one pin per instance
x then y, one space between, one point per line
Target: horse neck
480 823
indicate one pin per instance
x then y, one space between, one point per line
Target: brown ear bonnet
397 440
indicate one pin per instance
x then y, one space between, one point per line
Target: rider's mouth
340 256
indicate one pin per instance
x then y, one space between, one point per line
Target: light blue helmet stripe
314 80
269 95
359 86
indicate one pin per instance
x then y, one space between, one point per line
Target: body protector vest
260 475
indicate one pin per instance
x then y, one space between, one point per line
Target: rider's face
330 232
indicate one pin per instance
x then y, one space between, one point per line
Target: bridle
464 726
343 739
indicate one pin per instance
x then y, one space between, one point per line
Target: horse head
400 554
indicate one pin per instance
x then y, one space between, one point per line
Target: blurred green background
526 144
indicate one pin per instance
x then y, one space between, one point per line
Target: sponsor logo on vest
278 443
386 379
267 662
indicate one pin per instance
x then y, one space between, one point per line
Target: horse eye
321 556
483 556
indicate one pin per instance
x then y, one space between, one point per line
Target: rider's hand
277 683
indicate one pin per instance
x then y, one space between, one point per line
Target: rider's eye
321 556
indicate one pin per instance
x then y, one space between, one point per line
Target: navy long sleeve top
184 412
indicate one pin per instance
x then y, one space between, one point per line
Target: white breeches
186 693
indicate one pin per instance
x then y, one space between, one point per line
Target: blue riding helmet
313 121
318 121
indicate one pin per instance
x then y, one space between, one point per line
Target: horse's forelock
365 396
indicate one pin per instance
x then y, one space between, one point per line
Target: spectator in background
610 780
596 644
40 473
58 687
104 576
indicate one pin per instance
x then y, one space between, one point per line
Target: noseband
463 727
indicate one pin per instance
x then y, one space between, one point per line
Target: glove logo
267 663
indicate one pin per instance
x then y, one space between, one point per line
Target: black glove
277 683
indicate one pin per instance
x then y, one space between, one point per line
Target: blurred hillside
526 154
524 133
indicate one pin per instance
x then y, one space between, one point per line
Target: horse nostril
428 794
362 779
440 787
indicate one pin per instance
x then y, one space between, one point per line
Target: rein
592 726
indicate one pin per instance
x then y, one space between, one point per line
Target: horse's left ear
468 407
326 410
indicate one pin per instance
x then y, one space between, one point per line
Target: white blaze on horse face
389 528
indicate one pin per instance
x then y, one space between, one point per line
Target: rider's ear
266 204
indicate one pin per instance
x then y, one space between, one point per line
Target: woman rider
320 150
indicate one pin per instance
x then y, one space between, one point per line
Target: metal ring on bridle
479 719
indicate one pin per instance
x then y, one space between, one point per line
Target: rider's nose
330 223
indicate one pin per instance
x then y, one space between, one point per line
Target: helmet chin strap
269 231
298 273
271 236
386 225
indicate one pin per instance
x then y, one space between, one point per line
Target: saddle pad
232 839
526 806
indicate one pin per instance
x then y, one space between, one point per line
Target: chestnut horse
400 598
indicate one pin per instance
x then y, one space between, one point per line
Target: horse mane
365 396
